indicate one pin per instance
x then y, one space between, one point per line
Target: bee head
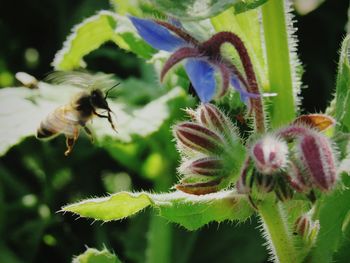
98 100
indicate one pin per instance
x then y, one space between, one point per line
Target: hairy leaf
343 88
92 33
333 211
189 211
200 9
92 255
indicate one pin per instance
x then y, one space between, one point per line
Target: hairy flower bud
282 189
297 177
264 183
211 117
317 156
198 138
307 229
207 166
269 154
200 188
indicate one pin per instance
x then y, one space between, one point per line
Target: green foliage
92 255
333 210
189 211
342 89
199 9
95 31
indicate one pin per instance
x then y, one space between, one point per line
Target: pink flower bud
307 228
211 117
208 166
269 154
317 156
200 188
282 189
297 177
198 138
302 226
264 183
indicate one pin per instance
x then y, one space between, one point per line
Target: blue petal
156 35
245 95
202 76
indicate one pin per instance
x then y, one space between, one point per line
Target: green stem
159 246
276 230
279 62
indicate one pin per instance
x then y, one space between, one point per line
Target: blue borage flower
203 60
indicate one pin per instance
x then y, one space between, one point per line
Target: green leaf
92 33
200 9
109 208
333 211
189 211
342 104
92 255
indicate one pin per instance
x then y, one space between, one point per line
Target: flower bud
243 184
200 188
297 177
269 154
211 117
302 226
317 156
198 138
208 166
307 229
283 191
264 183
316 121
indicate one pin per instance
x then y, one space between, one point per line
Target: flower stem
276 231
279 62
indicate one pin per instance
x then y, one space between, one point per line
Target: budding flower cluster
307 229
297 157
211 150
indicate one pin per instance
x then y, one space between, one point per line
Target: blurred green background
36 179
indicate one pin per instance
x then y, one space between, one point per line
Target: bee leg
70 143
108 117
111 121
89 133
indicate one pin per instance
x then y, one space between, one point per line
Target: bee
70 118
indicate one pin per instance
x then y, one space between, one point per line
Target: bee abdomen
44 132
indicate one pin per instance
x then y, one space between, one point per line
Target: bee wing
81 79
62 120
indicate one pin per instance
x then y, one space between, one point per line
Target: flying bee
69 118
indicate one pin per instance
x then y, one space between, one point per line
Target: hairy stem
279 239
279 62
256 103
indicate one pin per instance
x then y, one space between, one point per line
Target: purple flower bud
200 188
297 177
302 226
307 229
211 117
317 156
243 183
264 183
283 191
208 166
198 138
269 154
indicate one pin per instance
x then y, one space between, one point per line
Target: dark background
31 33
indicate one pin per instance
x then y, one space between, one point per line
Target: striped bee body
68 119
62 120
